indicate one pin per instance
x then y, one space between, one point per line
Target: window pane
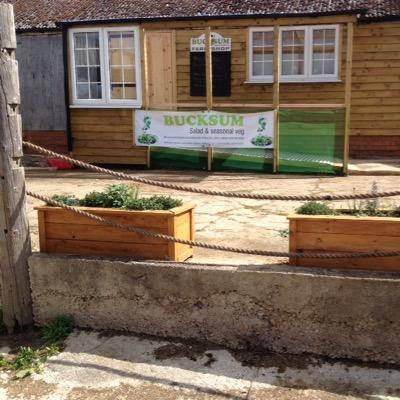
80 40
117 91
262 49
94 74
127 40
116 74
323 51
82 74
122 69
114 40
87 65
95 91
94 57
80 57
129 74
130 92
257 68
257 39
128 57
93 40
82 91
293 52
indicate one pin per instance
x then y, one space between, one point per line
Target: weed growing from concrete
28 360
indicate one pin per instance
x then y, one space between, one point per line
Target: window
105 67
308 54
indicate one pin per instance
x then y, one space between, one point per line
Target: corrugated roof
44 14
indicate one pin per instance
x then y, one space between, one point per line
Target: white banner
182 129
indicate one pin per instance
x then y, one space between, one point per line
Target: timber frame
275 103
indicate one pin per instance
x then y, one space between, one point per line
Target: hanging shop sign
185 129
221 65
218 43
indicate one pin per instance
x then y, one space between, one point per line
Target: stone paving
104 366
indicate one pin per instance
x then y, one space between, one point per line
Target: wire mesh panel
311 141
243 160
172 158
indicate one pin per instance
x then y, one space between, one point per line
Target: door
161 69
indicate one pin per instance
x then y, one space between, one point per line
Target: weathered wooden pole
15 244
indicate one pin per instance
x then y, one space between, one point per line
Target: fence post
15 245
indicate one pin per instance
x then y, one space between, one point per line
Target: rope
193 243
256 196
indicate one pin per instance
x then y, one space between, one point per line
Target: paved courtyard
107 366
237 222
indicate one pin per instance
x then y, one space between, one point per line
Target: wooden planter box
62 231
345 234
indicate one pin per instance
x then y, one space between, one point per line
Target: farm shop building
332 68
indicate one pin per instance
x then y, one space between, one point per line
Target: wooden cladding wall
244 92
105 136
375 105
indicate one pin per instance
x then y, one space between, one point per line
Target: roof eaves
356 12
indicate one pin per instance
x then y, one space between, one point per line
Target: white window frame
258 78
106 101
308 48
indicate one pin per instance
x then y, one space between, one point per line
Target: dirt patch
29 389
31 338
190 351
150 392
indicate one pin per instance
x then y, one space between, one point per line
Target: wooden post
145 84
347 96
209 88
276 94
15 244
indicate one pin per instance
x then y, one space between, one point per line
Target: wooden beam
209 87
337 105
145 84
347 96
15 242
276 94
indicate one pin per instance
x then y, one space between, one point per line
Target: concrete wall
41 74
352 314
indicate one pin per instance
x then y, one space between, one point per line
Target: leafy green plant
284 233
153 203
28 360
56 331
396 212
123 196
114 196
68 200
261 141
315 208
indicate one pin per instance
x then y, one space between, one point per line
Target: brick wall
53 140
375 146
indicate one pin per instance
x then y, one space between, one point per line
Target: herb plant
315 208
261 141
121 196
147 138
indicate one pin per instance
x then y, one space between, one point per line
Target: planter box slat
309 233
97 233
361 227
339 242
61 231
94 248
147 221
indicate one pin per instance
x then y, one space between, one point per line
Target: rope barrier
255 196
209 246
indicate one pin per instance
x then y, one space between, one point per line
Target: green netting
311 141
170 158
243 160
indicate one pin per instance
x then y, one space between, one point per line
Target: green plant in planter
315 208
121 196
114 196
